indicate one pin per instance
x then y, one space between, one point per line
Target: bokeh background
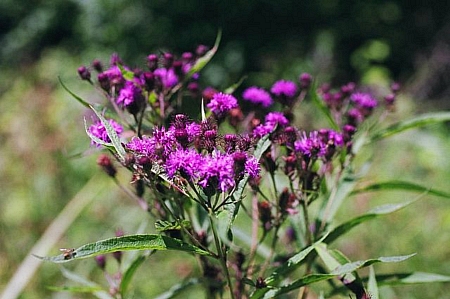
46 162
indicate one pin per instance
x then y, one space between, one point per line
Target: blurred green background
46 161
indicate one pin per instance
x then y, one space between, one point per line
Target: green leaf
163 225
202 61
75 289
124 243
372 286
401 185
411 278
178 288
291 263
416 122
115 140
235 86
268 293
376 212
128 75
96 139
353 266
79 99
96 289
129 273
337 196
322 107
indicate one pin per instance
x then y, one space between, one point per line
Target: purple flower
272 119
129 94
364 100
186 162
217 172
284 88
167 76
113 75
311 146
222 103
276 118
156 147
98 130
252 167
257 95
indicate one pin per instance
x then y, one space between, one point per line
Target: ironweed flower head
311 146
156 147
98 130
305 80
285 91
130 94
272 120
221 103
257 96
167 77
84 73
364 102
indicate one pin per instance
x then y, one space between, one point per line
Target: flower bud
101 261
305 80
106 164
97 65
84 73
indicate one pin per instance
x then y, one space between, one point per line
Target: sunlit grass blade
416 122
376 212
124 243
401 185
203 61
178 288
79 99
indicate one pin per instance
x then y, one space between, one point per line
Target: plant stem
221 254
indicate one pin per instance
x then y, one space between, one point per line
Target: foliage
243 157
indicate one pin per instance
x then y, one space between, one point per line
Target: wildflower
363 100
155 147
112 77
222 103
311 146
98 130
129 94
257 95
285 91
305 80
106 164
186 162
217 173
284 88
84 73
167 77
272 119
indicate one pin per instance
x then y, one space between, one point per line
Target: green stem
221 254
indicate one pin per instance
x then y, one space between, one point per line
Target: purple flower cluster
98 130
211 169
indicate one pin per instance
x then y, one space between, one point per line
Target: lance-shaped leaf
376 212
268 293
401 185
112 134
124 243
129 273
372 286
202 61
416 122
291 263
79 99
